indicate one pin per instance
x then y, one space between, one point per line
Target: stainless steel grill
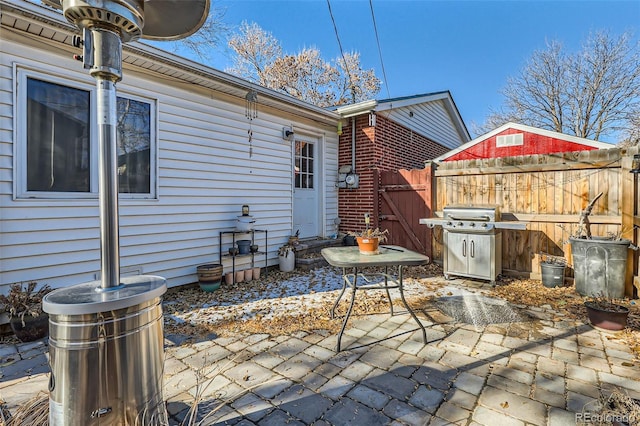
472 241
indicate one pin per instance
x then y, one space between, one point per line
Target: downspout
353 144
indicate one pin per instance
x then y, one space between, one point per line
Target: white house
191 154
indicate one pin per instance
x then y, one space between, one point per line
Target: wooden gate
402 198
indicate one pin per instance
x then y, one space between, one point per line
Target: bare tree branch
304 75
589 94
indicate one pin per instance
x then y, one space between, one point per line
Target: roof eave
32 12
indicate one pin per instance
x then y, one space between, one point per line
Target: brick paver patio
541 371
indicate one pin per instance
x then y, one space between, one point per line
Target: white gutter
356 109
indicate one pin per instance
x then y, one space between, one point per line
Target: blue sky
467 47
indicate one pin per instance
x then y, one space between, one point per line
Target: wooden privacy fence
548 192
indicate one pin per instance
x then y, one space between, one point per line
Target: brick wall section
387 146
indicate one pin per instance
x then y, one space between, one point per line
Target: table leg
386 287
344 287
415 317
354 287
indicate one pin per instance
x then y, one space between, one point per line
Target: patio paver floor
535 372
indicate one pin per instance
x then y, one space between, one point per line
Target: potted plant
600 263
294 239
604 313
24 306
552 269
287 258
369 240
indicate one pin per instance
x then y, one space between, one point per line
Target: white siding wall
430 119
205 175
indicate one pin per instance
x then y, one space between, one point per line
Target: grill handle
483 218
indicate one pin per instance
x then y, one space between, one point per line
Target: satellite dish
150 19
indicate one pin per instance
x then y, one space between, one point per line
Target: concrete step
308 252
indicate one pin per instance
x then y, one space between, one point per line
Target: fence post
430 198
627 211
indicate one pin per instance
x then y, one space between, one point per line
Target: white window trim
21 73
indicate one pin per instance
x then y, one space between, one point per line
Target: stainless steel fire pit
472 240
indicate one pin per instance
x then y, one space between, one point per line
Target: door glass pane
304 165
58 156
134 146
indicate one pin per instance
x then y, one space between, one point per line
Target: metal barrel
600 266
106 354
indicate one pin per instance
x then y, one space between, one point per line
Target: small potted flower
369 240
24 306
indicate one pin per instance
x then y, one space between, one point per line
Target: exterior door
306 188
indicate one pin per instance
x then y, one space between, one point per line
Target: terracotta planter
368 245
248 274
607 319
33 328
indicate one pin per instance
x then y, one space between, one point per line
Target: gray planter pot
552 274
600 266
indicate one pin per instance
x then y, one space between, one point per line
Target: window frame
21 74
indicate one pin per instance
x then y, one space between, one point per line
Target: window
509 140
57 138
304 165
133 136
59 150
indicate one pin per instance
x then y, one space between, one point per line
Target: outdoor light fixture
287 133
635 165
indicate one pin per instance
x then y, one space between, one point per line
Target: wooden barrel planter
210 276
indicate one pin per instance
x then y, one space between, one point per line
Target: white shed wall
205 175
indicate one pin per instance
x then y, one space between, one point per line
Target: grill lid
478 213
